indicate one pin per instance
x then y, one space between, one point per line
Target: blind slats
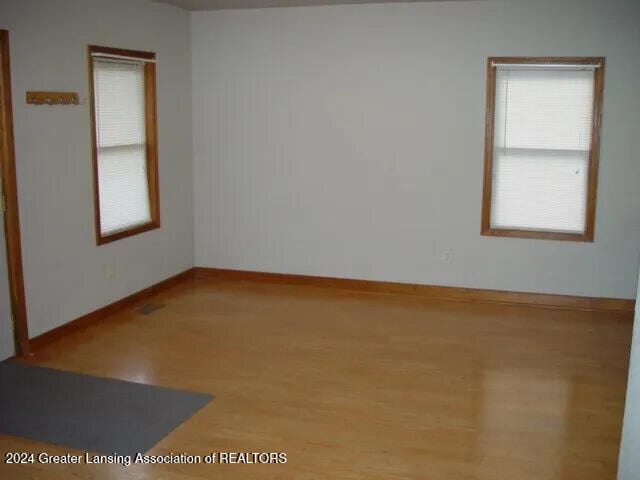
124 193
121 145
540 191
119 89
542 139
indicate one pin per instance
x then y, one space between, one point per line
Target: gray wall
348 141
326 142
65 272
629 466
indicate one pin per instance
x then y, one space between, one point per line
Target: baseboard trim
91 318
619 305
569 302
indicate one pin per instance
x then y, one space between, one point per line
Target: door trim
11 216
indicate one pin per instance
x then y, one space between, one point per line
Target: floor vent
149 308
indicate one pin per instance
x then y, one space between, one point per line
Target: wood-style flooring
361 386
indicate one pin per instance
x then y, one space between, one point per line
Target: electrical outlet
109 272
447 256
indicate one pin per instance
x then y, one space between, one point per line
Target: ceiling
227 4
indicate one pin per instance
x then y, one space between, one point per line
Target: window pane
540 190
119 102
543 108
123 188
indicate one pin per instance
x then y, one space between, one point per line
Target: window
125 161
541 147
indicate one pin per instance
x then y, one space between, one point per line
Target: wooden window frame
151 126
594 151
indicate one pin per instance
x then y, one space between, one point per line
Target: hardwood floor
362 386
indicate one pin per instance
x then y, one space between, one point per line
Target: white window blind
542 142
121 144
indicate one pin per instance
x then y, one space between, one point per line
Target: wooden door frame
11 216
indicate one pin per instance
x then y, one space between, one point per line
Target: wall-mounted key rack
52 98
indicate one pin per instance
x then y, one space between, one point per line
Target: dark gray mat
92 414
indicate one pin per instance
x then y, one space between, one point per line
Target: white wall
64 269
629 465
348 141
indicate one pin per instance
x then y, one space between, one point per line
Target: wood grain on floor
361 386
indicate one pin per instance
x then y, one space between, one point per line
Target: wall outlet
447 256
110 272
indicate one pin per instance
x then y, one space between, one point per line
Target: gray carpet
87 413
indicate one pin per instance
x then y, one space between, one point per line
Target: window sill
112 237
516 233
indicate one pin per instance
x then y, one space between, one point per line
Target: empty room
319 239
